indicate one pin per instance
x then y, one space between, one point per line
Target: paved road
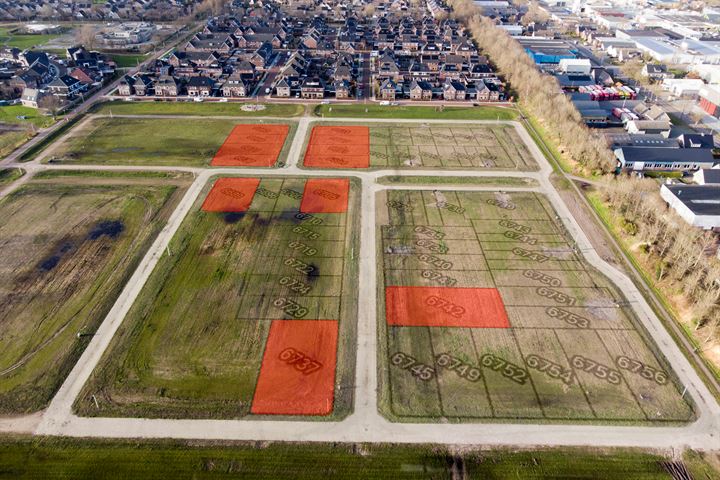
365 424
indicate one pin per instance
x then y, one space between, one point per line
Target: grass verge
9 175
36 149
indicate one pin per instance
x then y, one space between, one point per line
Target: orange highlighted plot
252 145
338 147
325 195
297 376
445 307
231 195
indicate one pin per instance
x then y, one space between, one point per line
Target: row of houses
32 75
286 50
55 10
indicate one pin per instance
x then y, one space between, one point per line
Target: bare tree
85 36
51 103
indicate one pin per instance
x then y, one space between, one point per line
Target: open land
68 245
572 351
424 146
252 263
51 458
144 141
196 347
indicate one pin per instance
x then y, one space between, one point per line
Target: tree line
682 257
539 94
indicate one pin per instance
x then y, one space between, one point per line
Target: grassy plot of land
574 350
9 175
23 41
68 245
192 344
128 61
429 180
198 109
433 113
19 115
405 145
12 139
61 458
145 141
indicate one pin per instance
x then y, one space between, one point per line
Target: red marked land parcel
252 146
325 195
297 376
338 147
231 195
445 307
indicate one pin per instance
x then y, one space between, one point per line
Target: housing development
367 239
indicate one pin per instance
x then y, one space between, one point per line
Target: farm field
486 311
70 458
251 311
398 145
68 244
138 141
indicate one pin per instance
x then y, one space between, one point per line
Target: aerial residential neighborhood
403 239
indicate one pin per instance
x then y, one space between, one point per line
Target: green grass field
79 459
23 41
144 141
9 175
405 145
68 245
10 114
559 309
433 113
197 109
192 344
128 61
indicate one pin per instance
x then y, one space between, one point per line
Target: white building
575 66
683 87
698 205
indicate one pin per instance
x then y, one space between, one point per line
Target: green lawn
147 141
10 114
22 41
434 113
199 109
128 61
80 459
